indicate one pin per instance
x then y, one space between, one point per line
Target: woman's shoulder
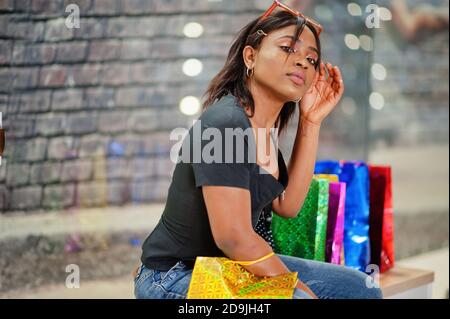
225 113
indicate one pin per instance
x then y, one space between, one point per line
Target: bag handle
252 262
249 263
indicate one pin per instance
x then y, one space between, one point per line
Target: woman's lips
297 79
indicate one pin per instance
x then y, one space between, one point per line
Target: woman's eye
287 49
312 61
290 50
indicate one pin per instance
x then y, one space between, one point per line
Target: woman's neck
267 107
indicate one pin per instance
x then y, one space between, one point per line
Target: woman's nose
300 59
301 64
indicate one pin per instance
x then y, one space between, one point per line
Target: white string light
379 71
352 41
190 105
193 30
376 101
192 67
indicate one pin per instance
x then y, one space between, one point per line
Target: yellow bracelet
248 263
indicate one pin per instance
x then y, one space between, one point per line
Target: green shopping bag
305 235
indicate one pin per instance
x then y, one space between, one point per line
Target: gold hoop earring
250 72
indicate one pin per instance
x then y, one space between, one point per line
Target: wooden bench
407 283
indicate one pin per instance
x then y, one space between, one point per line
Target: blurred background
88 109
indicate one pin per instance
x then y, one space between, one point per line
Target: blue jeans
326 280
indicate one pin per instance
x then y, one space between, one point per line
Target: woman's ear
249 55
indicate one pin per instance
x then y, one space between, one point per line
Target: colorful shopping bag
305 235
330 177
356 227
335 225
222 278
381 217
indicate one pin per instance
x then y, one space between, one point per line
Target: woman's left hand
324 94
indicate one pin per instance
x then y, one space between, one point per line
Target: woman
213 208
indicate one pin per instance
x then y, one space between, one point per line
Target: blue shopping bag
357 207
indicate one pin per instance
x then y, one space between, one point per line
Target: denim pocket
142 275
172 272
175 282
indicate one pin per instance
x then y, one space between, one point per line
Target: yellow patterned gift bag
222 278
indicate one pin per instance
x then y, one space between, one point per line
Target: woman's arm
229 213
300 169
316 105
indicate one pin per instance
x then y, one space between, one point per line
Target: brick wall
88 111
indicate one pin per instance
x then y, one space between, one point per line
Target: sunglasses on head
277 4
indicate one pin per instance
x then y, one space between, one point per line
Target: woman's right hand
323 95
304 288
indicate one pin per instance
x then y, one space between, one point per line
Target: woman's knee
376 293
365 286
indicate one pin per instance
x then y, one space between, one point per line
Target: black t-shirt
184 232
